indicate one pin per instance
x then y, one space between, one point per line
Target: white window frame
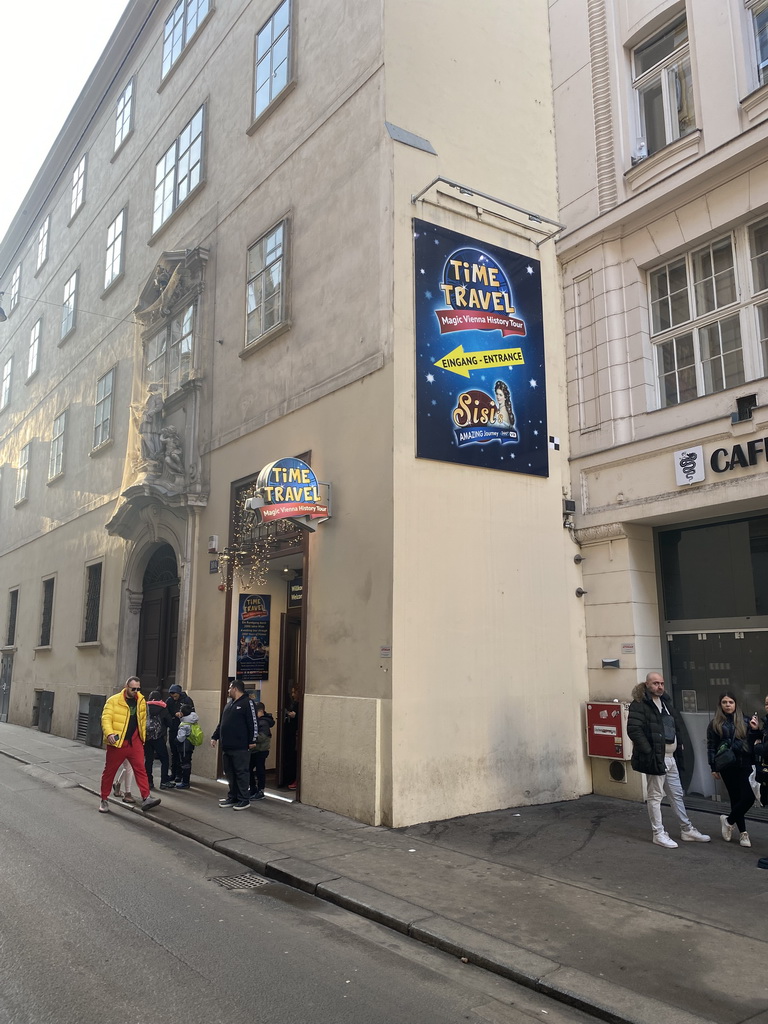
124 115
664 76
273 60
69 307
716 321
78 187
115 249
5 386
170 353
33 354
268 256
22 474
102 413
42 242
179 171
56 459
15 289
758 14
180 29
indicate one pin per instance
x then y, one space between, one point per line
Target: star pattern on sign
430 378
530 270
427 295
533 383
422 271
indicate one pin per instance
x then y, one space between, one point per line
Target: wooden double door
159 625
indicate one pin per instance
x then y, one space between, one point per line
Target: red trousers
132 752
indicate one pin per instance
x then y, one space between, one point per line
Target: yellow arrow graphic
462 362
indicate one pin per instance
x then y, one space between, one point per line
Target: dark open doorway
159 625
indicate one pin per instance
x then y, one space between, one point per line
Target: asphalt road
113 918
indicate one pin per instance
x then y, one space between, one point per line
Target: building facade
666 312
292 235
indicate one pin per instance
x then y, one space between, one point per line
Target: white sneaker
726 829
662 839
692 835
104 806
744 839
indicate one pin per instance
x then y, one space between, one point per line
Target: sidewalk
571 899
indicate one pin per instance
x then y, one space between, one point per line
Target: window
759 11
709 316
69 306
124 116
114 266
169 353
102 421
92 603
42 242
22 475
180 28
179 171
33 357
661 69
264 301
46 619
15 288
78 188
56 462
13 610
273 58
5 387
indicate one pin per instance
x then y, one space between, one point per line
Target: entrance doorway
159 623
289 726
701 666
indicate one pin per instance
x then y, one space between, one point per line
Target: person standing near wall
655 728
236 730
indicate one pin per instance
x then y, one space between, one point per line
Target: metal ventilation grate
249 881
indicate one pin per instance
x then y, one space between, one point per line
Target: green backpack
195 734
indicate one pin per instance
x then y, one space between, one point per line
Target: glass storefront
714 592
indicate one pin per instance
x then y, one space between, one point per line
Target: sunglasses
133 689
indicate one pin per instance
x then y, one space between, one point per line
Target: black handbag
724 757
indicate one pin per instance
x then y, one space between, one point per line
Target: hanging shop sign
289 489
253 638
480 373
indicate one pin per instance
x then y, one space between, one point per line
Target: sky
48 51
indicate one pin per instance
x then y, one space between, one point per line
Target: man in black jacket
655 729
176 699
236 730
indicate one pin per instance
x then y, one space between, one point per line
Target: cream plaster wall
492 645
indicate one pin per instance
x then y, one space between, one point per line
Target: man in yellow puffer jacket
124 724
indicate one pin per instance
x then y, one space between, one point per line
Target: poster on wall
253 638
480 383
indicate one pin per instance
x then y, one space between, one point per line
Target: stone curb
567 985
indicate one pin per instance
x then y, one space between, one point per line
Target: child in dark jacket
262 742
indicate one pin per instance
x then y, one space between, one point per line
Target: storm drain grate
248 881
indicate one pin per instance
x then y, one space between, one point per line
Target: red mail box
607 730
